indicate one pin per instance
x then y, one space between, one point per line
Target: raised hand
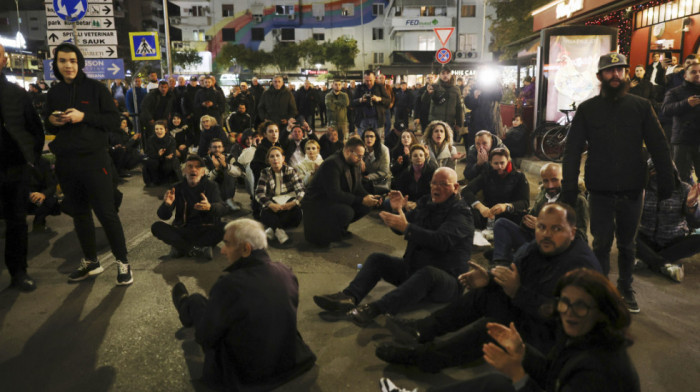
203 205
508 278
169 197
476 277
507 358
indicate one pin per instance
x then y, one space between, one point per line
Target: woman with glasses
590 353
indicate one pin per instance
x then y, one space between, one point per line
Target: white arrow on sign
61 8
96 51
114 68
78 9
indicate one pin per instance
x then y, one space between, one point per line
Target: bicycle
549 139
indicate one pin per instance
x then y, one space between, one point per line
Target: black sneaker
23 282
338 302
404 331
175 253
394 353
179 293
124 276
364 314
87 268
207 252
630 300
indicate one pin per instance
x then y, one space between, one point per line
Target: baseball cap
612 60
195 157
193 79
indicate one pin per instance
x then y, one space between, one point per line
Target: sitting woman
414 181
161 165
330 142
279 192
506 191
312 160
590 353
400 154
184 139
438 138
375 164
210 130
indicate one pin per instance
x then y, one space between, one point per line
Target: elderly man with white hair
248 326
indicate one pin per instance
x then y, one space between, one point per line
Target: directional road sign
85 37
443 56
95 51
70 10
94 68
144 45
92 9
88 22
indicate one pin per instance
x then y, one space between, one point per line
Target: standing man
277 103
257 90
370 101
188 107
134 99
21 141
446 102
209 101
337 103
152 81
616 126
158 105
404 104
81 113
307 100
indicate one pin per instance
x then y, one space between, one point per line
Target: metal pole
166 21
21 46
483 32
362 29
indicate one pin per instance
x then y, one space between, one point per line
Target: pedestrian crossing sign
144 45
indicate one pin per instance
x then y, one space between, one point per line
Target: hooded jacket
90 97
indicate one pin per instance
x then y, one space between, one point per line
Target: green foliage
311 52
341 53
232 54
513 21
285 56
186 58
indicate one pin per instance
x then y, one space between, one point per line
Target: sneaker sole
126 283
94 272
332 306
634 310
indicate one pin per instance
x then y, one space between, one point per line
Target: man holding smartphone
81 114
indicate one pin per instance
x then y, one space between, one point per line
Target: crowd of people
545 289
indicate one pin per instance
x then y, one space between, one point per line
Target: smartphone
57 113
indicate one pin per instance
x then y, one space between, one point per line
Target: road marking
107 258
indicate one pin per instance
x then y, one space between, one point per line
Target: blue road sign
94 68
70 10
144 45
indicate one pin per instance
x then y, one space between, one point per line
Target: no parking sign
443 56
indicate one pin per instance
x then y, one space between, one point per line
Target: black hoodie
90 97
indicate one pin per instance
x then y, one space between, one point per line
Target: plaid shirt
291 182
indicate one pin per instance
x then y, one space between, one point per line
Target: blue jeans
615 216
428 282
507 238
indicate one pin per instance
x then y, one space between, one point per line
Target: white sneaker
282 237
270 233
674 271
388 386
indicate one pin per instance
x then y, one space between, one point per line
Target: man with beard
446 101
208 100
370 101
616 126
508 236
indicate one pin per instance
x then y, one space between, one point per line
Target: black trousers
411 288
88 185
50 206
655 255
325 221
13 196
227 186
158 171
184 238
492 382
282 219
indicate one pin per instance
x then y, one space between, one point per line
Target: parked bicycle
549 139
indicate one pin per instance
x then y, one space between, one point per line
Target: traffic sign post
70 10
94 68
443 56
144 45
444 34
96 51
85 37
89 24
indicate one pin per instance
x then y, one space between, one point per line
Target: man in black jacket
439 232
157 105
503 294
616 126
277 103
21 142
248 326
81 112
209 101
335 197
370 101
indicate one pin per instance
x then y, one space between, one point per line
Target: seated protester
198 207
414 181
439 232
184 138
271 134
239 121
664 237
245 158
311 162
294 146
509 236
330 142
248 326
503 294
124 148
516 138
244 141
210 130
219 172
400 154
394 137
335 197
375 164
506 191
42 200
279 192
478 153
161 165
438 138
590 352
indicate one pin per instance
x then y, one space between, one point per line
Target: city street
96 336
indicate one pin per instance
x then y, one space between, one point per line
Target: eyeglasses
579 308
441 184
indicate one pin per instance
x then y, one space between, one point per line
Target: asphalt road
96 336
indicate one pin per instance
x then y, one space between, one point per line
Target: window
228 35
287 34
427 11
398 11
197 11
284 10
319 36
468 11
378 58
257 34
226 10
466 42
348 9
318 10
377 33
377 9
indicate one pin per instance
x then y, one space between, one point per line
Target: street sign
444 34
144 45
92 9
70 10
85 37
443 56
94 68
86 23
95 51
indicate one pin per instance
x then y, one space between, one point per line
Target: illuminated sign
18 42
565 10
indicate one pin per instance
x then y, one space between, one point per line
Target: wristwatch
509 207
